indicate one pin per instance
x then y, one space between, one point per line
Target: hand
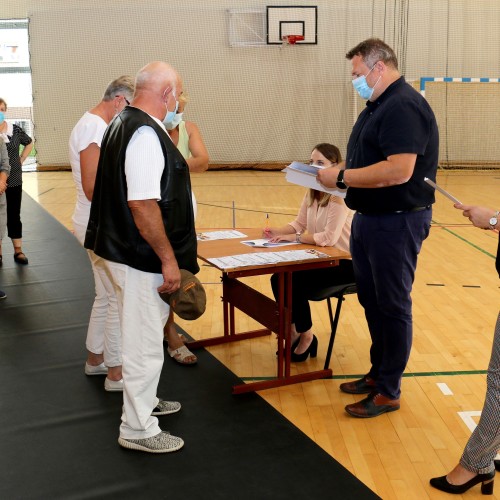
282 237
479 216
328 176
3 186
269 232
171 278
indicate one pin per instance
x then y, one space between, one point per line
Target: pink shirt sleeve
330 221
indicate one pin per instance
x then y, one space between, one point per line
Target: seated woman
323 220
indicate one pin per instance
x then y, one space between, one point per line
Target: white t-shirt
89 129
144 164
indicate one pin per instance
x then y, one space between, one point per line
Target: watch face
493 221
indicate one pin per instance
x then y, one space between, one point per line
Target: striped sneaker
163 442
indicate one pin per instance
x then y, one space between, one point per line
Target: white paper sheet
263 243
305 175
219 235
441 190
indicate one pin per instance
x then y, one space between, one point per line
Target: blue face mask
2 117
171 114
362 87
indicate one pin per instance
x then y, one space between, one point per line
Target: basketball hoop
291 39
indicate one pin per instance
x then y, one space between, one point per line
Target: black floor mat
59 428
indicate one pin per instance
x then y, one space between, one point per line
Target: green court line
464 240
405 375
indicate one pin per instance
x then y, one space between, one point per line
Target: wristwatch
297 237
340 180
494 220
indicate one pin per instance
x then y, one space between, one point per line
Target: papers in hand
305 175
442 191
263 243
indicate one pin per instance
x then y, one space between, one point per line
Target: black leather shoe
372 406
364 385
486 480
497 464
20 258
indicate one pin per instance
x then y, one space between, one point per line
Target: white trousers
142 317
103 334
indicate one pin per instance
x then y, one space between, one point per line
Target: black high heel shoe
486 480
294 345
312 350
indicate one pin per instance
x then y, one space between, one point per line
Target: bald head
156 77
157 87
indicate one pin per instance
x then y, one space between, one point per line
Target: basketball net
291 39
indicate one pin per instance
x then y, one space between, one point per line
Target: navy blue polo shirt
399 121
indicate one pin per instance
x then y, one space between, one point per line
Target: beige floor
456 298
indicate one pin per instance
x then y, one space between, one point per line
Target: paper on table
263 243
255 259
441 190
305 175
220 235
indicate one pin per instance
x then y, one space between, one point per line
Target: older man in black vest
141 225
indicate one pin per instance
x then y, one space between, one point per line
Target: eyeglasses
127 101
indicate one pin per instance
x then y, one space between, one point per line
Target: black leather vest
111 231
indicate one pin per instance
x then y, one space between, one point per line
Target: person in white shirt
103 335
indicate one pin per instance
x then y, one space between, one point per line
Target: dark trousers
384 251
14 196
306 284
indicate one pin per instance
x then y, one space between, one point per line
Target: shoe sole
159 414
395 408
112 389
134 446
358 391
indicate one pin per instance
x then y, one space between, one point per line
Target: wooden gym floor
456 303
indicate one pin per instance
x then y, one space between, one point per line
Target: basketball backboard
283 21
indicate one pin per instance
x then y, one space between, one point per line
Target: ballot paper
219 235
441 190
264 243
261 258
305 175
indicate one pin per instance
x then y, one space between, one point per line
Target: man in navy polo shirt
394 144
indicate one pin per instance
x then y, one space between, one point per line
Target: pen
267 223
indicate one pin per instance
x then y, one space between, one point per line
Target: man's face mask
361 86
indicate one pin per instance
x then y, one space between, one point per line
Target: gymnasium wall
255 105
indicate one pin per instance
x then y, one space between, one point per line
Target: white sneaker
166 407
113 385
101 369
163 442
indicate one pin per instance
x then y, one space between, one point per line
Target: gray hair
121 86
372 51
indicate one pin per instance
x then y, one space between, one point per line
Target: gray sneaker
166 407
161 443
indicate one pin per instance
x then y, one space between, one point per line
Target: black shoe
20 258
364 385
486 480
312 350
1 260
3 295
294 345
497 464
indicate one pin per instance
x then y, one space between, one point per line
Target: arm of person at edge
89 158
479 216
147 218
4 167
198 161
397 169
26 152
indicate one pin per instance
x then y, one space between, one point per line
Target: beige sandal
181 354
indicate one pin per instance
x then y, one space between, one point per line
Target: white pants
142 317
103 334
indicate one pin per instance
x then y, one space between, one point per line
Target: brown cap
190 300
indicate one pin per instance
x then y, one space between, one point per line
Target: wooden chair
338 292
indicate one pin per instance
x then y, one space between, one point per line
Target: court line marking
445 389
